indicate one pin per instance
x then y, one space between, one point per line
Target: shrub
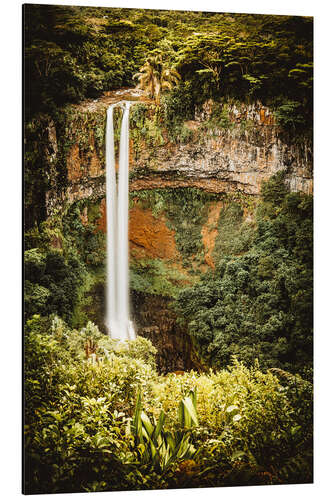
87 430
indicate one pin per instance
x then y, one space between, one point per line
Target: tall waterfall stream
118 320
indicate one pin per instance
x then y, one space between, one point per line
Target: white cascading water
117 301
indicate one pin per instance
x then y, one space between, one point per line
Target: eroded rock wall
235 156
156 321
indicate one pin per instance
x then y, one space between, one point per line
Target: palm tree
155 77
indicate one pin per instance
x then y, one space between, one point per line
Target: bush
82 418
76 412
249 430
51 283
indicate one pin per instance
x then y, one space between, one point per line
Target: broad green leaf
159 426
147 423
188 404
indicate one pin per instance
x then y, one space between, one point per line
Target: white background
11 228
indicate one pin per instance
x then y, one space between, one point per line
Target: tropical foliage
98 414
155 77
258 301
77 52
107 421
163 448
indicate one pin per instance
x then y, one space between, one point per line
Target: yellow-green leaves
187 411
158 446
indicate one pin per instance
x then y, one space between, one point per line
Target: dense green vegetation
78 52
257 304
62 257
99 415
108 421
154 276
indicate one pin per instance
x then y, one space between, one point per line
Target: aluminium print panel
168 263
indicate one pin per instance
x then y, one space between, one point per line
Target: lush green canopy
258 304
77 52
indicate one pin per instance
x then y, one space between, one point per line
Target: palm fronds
154 77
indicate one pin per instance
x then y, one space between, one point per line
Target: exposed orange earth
149 236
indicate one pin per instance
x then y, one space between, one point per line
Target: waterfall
117 301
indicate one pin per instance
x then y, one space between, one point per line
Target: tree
154 77
205 49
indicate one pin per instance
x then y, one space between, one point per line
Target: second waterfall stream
118 320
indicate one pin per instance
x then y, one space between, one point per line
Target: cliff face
225 154
235 155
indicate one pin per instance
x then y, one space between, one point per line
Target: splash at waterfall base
118 321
